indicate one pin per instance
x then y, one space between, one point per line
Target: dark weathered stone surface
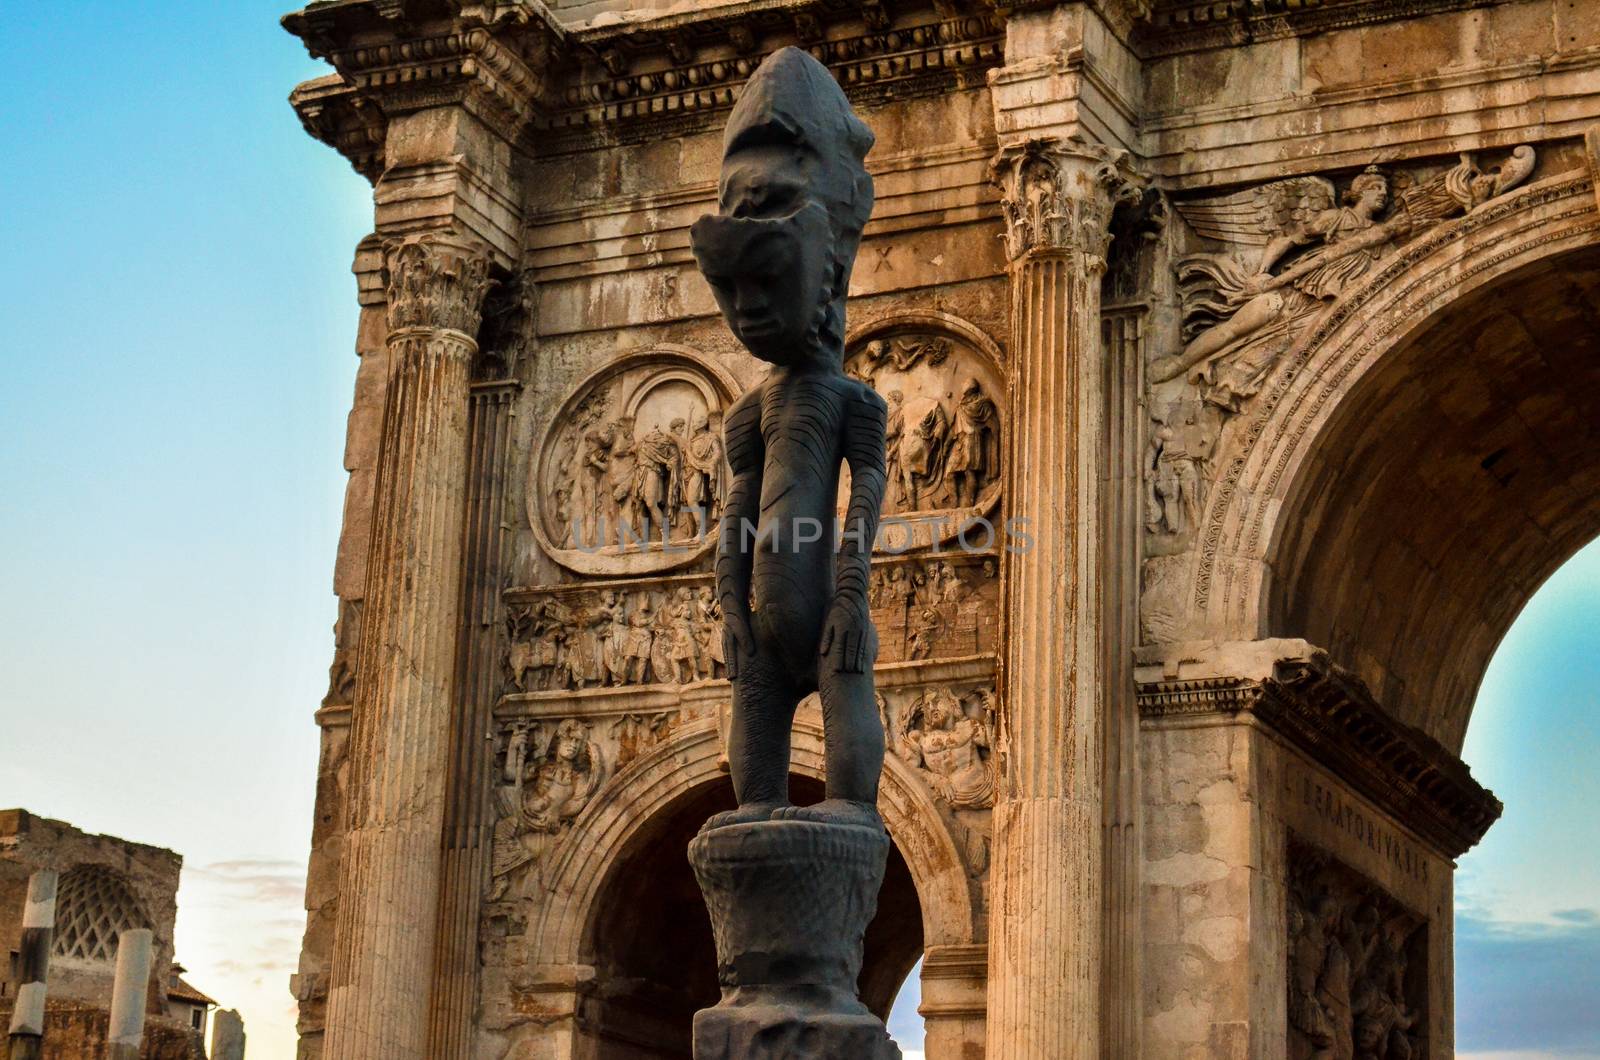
793 197
789 901
790 889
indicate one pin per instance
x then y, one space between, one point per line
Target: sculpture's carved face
771 278
938 712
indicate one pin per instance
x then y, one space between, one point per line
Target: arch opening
649 937
1451 481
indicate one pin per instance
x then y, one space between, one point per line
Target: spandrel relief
547 773
1358 983
943 433
947 736
1275 260
631 477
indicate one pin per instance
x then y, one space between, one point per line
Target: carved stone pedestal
789 904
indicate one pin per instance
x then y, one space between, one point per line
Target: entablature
1296 692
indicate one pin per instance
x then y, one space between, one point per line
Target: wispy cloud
1528 991
254 884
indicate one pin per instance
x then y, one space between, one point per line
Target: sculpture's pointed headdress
793 101
793 108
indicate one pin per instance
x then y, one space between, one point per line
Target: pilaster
378 999
1047 945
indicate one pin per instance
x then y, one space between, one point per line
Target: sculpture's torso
802 430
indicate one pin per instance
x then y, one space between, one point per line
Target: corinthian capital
436 281
1058 193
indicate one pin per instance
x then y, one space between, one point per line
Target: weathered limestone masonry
1243 368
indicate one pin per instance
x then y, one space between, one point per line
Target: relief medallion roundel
941 378
631 475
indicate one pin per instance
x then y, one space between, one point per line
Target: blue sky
174 274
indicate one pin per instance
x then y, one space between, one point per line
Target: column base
789 904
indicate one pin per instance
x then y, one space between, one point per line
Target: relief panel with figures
1358 984
631 475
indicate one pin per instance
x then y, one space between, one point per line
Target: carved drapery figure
975 445
657 482
948 744
942 433
1240 318
1178 465
706 469
610 485
544 787
1246 317
593 484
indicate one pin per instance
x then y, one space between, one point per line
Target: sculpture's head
570 740
1369 191
793 198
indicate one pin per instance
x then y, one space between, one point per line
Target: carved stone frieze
667 632
1357 973
437 283
1058 194
937 607
614 638
631 476
1293 248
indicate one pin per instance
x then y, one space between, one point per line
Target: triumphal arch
1243 365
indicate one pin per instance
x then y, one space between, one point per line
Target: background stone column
227 1035
130 992
33 966
1046 931
378 1002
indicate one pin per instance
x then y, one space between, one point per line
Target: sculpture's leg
764 702
853 742
1252 316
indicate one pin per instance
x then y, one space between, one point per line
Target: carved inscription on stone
943 433
546 774
1358 984
632 476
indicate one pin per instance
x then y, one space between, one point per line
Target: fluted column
378 1000
1046 938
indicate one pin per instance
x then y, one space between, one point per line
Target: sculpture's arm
849 626
746 452
1279 246
1374 236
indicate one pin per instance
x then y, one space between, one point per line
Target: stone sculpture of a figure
793 198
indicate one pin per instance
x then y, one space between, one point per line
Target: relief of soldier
619 484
